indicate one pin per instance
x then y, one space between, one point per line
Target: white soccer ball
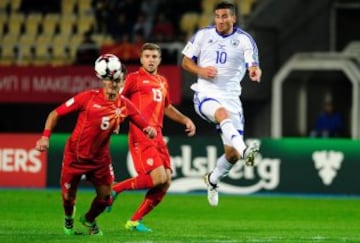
108 66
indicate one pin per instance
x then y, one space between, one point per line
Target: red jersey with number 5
98 118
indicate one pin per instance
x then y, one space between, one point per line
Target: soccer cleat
69 223
92 226
114 196
249 154
213 195
136 226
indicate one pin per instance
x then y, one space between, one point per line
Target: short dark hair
150 46
123 69
225 5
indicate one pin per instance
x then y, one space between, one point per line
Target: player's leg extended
213 110
102 179
140 182
98 205
152 198
69 182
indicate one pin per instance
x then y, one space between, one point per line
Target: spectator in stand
329 123
163 30
101 10
87 51
119 26
124 49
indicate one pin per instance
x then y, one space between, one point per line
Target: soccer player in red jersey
87 150
149 92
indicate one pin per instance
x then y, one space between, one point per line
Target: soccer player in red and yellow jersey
149 92
100 112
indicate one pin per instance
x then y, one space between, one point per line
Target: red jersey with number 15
149 93
98 118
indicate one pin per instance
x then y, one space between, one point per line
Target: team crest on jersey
234 42
150 161
118 112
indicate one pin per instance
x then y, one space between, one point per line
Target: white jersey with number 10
230 54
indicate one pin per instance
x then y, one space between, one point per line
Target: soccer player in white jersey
220 56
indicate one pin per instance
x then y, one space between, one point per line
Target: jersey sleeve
73 104
129 85
134 114
192 48
251 54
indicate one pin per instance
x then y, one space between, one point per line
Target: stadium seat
244 7
75 41
84 7
50 23
8 43
84 23
66 24
27 39
32 23
99 39
14 5
15 23
207 6
3 6
189 23
42 56
60 50
9 39
24 54
205 20
68 7
25 48
7 56
3 22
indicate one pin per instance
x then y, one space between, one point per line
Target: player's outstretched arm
43 143
175 115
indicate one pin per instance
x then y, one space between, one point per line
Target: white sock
221 170
231 134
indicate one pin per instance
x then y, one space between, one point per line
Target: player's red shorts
73 169
149 154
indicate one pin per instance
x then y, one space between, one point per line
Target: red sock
97 207
152 199
136 183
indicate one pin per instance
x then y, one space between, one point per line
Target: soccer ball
108 66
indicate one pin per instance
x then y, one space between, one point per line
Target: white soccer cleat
249 154
213 195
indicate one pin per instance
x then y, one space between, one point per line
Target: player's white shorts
205 106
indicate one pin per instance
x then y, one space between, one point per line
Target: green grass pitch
37 216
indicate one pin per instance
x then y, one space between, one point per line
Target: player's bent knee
108 200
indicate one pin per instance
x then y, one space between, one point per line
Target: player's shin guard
153 197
